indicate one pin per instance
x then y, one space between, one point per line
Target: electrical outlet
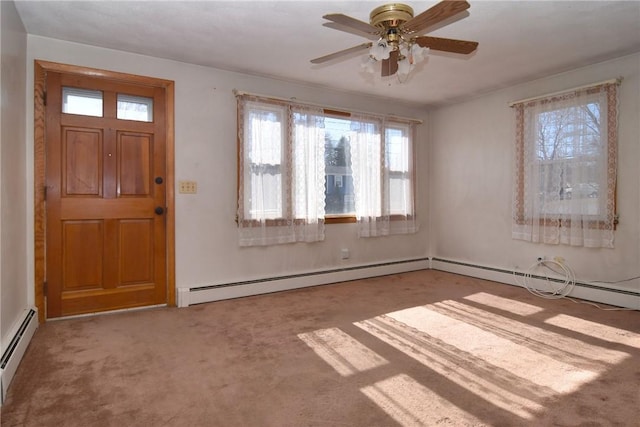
187 187
344 253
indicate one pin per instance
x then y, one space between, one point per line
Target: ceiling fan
398 44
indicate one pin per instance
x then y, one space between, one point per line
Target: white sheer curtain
308 169
367 165
281 173
382 168
566 154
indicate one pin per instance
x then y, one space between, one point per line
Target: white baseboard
202 294
20 339
587 291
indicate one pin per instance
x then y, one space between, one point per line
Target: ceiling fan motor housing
390 15
388 18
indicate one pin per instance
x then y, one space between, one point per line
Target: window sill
334 219
338 219
594 223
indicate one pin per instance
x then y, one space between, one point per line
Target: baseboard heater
587 291
16 349
202 294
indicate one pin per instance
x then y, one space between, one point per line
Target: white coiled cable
554 288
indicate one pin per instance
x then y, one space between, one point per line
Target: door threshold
100 313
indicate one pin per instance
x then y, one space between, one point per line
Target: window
87 102
339 197
400 171
302 166
263 192
566 147
138 108
82 101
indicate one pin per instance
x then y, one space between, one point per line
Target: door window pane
82 101
137 108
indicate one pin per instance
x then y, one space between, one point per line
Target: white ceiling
518 40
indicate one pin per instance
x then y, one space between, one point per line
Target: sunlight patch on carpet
596 330
496 350
412 404
560 347
505 304
492 384
344 353
513 364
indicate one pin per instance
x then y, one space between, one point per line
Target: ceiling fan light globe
418 53
380 50
374 51
404 66
368 65
386 53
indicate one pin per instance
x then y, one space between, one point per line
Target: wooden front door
105 194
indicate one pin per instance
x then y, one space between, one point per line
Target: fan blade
350 30
390 66
446 45
334 55
441 11
348 21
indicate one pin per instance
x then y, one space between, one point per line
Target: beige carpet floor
418 349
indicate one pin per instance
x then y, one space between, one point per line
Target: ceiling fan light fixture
368 65
410 55
380 50
404 67
417 53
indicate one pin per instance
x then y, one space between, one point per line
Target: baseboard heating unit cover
202 294
12 356
608 294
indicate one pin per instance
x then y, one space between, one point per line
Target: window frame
338 218
273 106
611 148
328 218
412 167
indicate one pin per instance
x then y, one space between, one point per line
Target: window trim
338 218
286 210
612 150
329 111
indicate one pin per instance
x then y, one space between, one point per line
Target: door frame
40 72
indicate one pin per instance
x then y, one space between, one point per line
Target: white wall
13 192
471 160
206 242
464 175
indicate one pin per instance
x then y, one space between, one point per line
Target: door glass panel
82 101
137 108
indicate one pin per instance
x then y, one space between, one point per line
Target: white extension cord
554 288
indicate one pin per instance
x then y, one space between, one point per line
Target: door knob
159 210
159 180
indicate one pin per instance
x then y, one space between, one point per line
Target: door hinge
44 98
45 288
44 193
